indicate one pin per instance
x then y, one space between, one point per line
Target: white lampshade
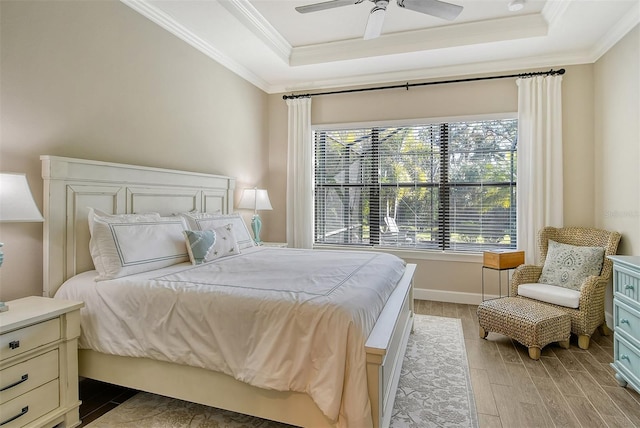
16 200
255 199
16 205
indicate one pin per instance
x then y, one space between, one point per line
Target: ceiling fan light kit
437 8
515 5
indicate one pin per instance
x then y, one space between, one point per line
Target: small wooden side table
500 260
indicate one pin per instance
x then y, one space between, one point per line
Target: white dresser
39 363
626 316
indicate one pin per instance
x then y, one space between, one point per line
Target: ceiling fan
373 29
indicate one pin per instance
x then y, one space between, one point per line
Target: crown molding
617 32
553 11
149 11
470 33
249 16
512 65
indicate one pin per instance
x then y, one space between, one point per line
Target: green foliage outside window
446 186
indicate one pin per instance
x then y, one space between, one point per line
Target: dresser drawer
23 340
30 406
627 358
25 376
627 320
627 283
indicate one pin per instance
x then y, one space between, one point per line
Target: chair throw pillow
569 265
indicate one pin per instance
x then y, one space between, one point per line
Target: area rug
434 391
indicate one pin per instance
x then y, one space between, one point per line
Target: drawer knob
24 411
14 344
24 378
628 287
624 321
625 357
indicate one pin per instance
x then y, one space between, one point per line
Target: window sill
404 253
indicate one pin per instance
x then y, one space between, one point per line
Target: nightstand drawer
30 406
23 377
28 338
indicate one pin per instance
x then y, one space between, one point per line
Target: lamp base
256 225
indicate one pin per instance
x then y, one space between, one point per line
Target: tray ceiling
278 49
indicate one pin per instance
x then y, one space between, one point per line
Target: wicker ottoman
533 324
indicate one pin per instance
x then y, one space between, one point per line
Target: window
442 186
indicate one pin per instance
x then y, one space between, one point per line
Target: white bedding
283 319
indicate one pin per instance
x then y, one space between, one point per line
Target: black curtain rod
441 82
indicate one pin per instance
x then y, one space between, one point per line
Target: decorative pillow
208 221
207 245
200 244
569 265
125 244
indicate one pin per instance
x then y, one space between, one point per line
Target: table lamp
16 205
256 200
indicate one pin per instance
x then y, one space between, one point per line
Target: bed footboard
386 347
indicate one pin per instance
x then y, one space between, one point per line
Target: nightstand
275 244
39 363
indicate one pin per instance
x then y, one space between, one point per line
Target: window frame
413 252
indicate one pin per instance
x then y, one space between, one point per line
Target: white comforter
282 319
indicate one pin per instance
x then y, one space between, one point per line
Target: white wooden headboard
71 186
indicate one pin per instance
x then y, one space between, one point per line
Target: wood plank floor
565 388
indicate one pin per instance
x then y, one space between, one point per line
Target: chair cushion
569 265
551 294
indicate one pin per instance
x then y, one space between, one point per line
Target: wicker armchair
590 313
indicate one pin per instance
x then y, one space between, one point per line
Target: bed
71 186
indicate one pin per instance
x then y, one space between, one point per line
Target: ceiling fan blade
437 8
326 5
375 22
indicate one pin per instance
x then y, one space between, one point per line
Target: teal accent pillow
207 245
200 245
569 265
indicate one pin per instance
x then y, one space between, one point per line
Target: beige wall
456 278
617 144
617 141
96 80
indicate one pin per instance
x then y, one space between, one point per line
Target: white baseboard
448 296
469 299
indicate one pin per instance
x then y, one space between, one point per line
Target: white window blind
447 186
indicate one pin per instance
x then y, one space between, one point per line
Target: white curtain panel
300 175
540 195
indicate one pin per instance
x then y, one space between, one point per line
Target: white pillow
96 213
125 244
209 221
207 245
569 265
